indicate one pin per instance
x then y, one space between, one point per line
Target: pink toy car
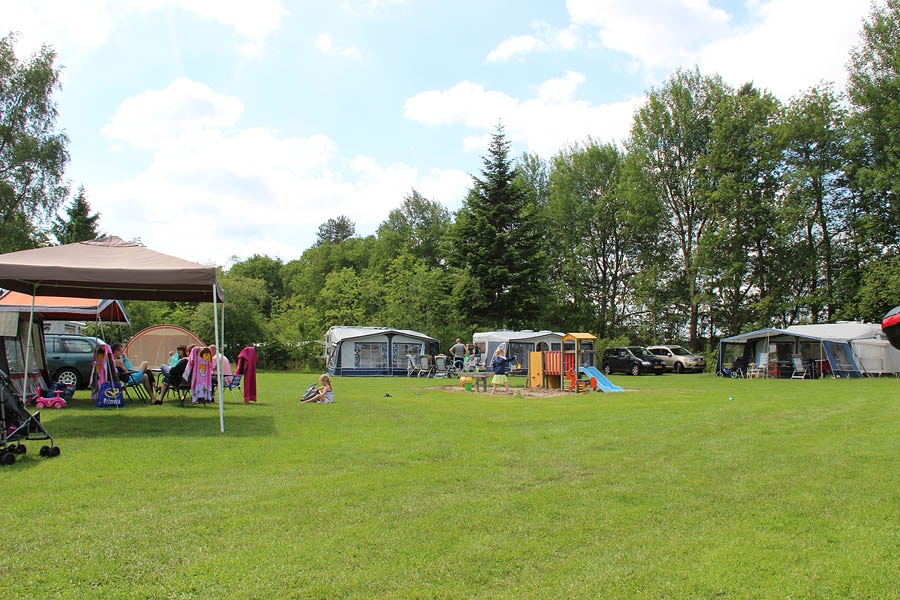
55 402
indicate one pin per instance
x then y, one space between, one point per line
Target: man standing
457 354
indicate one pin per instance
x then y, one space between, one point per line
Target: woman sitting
132 376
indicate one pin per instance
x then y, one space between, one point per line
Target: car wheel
607 369
635 370
679 368
69 376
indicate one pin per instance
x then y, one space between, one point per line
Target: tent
518 343
110 267
154 343
14 331
844 349
371 351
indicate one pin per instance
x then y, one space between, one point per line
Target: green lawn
681 487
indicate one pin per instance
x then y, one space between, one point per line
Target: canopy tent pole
218 354
28 346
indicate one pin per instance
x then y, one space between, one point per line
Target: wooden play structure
572 368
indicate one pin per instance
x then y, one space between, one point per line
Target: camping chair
412 365
442 366
755 372
426 366
138 386
801 369
231 383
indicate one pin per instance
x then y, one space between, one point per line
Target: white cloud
545 38
253 20
158 118
212 190
325 45
545 124
516 45
660 33
73 27
786 47
792 46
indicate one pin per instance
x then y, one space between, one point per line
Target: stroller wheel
21 449
45 451
54 451
8 458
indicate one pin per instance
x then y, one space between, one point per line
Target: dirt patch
522 392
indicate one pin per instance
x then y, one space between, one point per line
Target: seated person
220 362
175 376
174 356
325 393
128 374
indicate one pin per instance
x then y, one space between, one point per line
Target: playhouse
572 367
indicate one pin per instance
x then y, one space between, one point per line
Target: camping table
480 379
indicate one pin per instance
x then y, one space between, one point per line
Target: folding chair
412 365
442 366
231 383
801 370
426 367
138 386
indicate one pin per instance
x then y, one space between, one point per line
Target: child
325 393
500 366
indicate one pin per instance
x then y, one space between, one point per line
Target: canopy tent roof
107 268
55 308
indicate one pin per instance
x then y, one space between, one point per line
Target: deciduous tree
33 153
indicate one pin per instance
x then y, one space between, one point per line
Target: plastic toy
57 401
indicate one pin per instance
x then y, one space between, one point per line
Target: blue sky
219 128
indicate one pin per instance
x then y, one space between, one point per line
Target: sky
213 130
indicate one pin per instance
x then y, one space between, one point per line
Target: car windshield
680 351
641 352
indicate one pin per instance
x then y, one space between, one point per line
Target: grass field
681 487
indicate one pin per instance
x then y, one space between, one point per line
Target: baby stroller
17 424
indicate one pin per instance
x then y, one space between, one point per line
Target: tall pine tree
497 241
79 225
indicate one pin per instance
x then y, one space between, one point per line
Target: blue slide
603 384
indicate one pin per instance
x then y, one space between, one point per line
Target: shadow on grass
124 423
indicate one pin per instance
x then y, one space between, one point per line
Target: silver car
679 358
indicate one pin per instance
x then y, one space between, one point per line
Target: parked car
70 357
632 359
679 358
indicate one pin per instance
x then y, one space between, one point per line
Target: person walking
500 366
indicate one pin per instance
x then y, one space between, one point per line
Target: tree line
725 209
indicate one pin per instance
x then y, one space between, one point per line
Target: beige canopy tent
110 267
154 343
